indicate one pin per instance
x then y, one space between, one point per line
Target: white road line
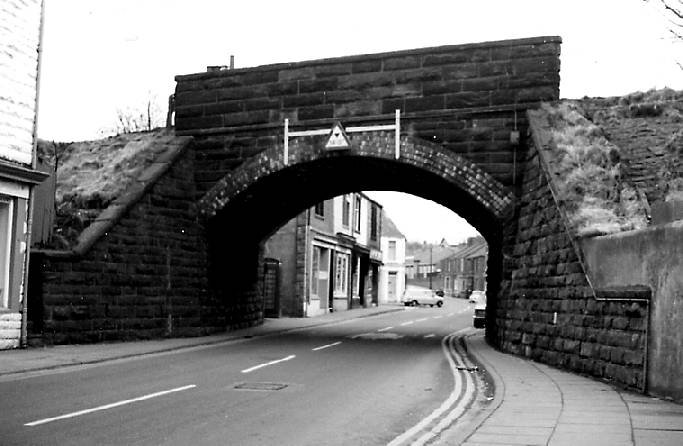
260 366
408 323
437 317
385 328
322 347
431 335
108 406
422 319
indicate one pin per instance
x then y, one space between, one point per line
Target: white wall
397 265
19 37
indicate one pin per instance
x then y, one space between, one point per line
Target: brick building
465 270
20 36
327 258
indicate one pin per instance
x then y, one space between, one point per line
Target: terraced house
20 35
327 258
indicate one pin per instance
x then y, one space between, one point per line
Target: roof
433 255
469 251
389 228
98 180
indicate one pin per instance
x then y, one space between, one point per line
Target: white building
20 33
392 273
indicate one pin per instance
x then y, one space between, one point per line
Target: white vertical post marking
398 132
286 153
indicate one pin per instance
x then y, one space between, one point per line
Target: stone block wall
462 96
145 278
546 309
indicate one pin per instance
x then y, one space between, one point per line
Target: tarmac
532 404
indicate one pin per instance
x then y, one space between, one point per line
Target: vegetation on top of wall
590 181
597 142
649 121
92 174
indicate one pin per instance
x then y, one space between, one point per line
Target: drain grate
263 387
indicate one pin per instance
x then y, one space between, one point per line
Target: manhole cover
265 387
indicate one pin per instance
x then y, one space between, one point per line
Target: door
391 287
271 281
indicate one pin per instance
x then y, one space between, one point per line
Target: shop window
341 272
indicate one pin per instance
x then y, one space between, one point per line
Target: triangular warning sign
337 139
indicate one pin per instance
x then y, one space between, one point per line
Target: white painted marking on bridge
385 328
431 335
260 366
407 323
323 347
109 406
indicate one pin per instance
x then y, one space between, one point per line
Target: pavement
533 404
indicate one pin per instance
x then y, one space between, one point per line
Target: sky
100 56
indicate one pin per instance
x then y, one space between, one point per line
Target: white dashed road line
422 319
385 328
322 347
260 366
431 335
437 317
109 406
407 323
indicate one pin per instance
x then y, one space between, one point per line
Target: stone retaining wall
144 278
547 309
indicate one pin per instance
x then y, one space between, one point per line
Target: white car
477 296
421 296
479 317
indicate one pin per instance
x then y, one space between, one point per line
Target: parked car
420 296
477 295
464 294
479 318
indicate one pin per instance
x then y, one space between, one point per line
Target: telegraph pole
431 266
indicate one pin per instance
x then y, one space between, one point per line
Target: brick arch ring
430 157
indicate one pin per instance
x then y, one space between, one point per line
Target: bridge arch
250 203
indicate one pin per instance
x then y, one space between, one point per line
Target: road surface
386 379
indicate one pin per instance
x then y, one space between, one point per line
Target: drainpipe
23 337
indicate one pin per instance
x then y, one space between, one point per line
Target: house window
5 245
373 223
320 209
392 249
346 211
356 215
341 271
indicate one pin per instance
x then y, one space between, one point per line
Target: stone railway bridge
464 143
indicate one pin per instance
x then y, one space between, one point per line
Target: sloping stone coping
117 209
